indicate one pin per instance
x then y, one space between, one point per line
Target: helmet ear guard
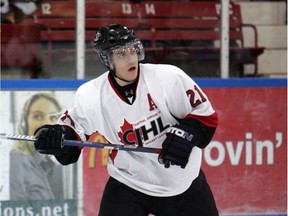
113 37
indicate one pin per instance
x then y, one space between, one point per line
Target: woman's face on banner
41 112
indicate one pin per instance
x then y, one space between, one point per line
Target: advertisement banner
246 162
39 207
32 183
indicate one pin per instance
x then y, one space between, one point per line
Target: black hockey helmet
113 37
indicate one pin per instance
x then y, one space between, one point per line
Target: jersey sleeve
78 117
77 120
190 106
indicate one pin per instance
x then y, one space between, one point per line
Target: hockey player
152 105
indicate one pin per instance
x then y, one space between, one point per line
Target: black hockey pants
120 200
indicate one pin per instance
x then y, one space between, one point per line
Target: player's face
125 63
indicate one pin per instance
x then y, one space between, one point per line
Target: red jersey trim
113 155
115 90
66 115
211 120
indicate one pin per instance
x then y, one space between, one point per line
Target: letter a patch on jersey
152 105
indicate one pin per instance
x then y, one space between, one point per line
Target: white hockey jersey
164 92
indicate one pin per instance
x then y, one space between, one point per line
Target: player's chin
131 78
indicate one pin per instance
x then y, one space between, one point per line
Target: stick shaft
86 144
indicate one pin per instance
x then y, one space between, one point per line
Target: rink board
245 163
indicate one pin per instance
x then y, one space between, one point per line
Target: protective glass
131 48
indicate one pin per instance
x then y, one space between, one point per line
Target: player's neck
128 92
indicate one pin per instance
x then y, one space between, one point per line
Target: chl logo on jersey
139 136
147 132
152 128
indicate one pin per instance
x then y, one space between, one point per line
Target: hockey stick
86 144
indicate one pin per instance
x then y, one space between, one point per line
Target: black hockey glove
177 146
50 139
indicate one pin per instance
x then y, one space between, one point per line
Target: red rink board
246 162
250 118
